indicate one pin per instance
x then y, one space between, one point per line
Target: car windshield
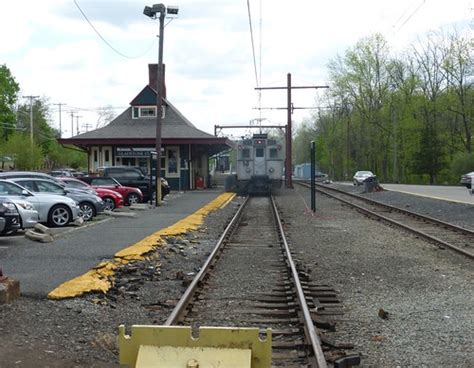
10 189
104 181
360 173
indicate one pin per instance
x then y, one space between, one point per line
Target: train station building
130 138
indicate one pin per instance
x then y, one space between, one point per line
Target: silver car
29 217
90 204
52 209
360 176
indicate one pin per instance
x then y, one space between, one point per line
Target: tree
9 89
27 156
106 115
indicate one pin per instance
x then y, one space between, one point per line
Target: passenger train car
260 164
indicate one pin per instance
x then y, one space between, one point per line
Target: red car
111 198
131 195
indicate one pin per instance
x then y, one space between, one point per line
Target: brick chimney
153 77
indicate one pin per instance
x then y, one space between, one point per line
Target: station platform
43 267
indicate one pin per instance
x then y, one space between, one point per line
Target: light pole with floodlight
159 11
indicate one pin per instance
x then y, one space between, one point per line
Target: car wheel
109 203
59 216
87 211
133 198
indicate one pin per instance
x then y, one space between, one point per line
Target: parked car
466 179
360 176
9 217
25 174
111 198
57 173
29 217
133 177
90 204
320 177
53 209
131 194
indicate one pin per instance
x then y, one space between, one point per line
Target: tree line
17 150
408 117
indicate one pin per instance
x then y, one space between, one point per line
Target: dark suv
133 177
9 217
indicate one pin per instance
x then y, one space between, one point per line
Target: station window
95 155
246 153
107 155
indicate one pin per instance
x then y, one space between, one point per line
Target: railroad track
440 233
251 280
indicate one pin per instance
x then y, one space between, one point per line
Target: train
260 164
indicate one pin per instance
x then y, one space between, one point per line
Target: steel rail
310 330
401 210
403 226
180 307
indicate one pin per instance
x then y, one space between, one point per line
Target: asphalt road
41 267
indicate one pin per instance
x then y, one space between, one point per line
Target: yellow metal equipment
174 346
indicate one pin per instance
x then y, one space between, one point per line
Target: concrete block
140 206
120 214
43 229
78 222
9 290
43 238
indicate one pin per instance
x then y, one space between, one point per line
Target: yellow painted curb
98 279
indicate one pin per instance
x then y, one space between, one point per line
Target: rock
383 314
9 290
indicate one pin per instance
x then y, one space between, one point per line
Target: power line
411 15
107 43
253 46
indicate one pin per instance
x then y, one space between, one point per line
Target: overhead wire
253 45
107 42
411 15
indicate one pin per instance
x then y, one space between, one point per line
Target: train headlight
271 169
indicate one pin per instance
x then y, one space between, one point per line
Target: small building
130 138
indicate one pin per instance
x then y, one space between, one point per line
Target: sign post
313 172
153 157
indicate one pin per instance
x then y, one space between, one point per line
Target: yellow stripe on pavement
99 279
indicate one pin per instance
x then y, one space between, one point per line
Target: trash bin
199 182
371 184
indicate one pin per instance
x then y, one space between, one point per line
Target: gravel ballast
426 291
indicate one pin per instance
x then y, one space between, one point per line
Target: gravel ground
427 292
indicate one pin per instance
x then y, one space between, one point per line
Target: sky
211 74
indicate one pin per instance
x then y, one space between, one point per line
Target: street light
159 11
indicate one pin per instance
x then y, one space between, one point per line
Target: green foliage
27 155
462 163
407 118
9 89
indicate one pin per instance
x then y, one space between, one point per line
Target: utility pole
72 123
77 123
31 115
289 108
87 126
59 104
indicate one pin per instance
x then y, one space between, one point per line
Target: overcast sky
53 52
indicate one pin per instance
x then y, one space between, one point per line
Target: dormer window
144 112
